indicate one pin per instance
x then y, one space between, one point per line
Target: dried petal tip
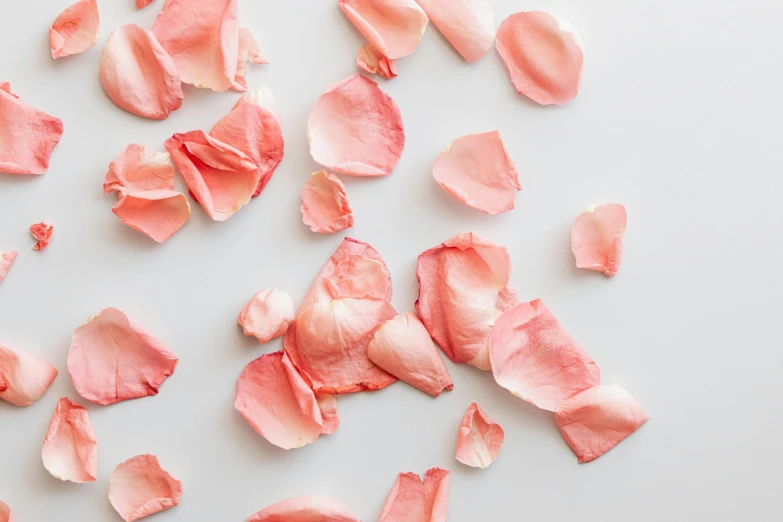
70 451
267 315
479 440
24 378
371 60
140 487
468 25
75 30
138 168
7 258
597 238
325 207
305 509
42 233
414 500
394 27
5 512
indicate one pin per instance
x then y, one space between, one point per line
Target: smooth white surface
678 118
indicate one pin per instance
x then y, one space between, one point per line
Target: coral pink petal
24 378
27 135
70 451
263 98
113 358
370 60
534 357
598 419
75 30
248 52
412 500
325 207
267 315
7 258
477 170
331 417
142 3
468 25
138 75
202 36
402 347
139 168
5 512
394 27
479 440
140 487
42 233
543 54
597 238
157 214
305 509
355 128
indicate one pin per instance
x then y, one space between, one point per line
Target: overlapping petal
70 451
75 30
371 60
394 27
414 500
138 168
468 25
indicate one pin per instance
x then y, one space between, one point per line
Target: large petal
248 52
24 378
140 487
468 25
267 315
157 214
325 207
70 451
42 233
597 238
394 27
139 168
479 440
414 500
75 30
7 258
305 509
371 60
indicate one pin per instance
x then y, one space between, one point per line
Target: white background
678 118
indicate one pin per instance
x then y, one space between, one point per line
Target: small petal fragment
468 25
157 214
70 451
325 207
305 509
369 59
7 258
142 3
24 378
113 358
395 27
479 440
140 487
248 52
355 128
402 347
267 315
536 359
543 54
597 238
5 512
412 500
75 30
42 233
329 413
138 168
598 419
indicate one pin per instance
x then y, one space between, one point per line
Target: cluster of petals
24 378
370 60
414 500
305 509
248 52
479 440
325 207
7 258
70 451
140 487
468 25
75 30
42 233
5 512
394 27
597 238
267 315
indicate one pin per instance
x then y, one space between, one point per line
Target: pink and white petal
329 413
158 214
370 60
70 451
5 512
249 52
24 378
42 233
305 509
263 98
140 487
138 168
75 30
468 25
597 238
394 27
479 440
267 315
414 500
7 258
325 207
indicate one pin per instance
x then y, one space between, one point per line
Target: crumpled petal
535 358
42 233
414 500
402 347
463 290
70 451
27 136
5 512
597 238
248 52
142 3
157 214
543 54
355 128
394 27
138 168
267 315
305 509
140 487
479 440
325 207
596 420
477 170
7 258
114 358
138 75
24 378
202 36
75 30
371 60
329 413
468 25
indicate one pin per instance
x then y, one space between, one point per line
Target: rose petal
536 359
596 420
543 54
113 358
140 487
75 30
5 512
7 258
138 75
479 440
24 378
142 3
329 413
305 509
42 233
355 128
27 135
468 25
371 60
138 168
477 170
202 36
325 207
395 27
412 500
263 98
267 315
248 52
597 238
157 214
402 347
70 451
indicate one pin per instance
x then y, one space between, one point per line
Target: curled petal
329 413
414 500
7 258
395 27
325 208
70 451
267 315
468 25
248 52
24 378
597 238
139 168
75 30
42 233
305 509
157 214
369 59
113 358
140 487
479 440
5 512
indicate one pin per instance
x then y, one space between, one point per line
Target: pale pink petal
70 451
7 258
325 207
138 75
142 3
370 59
42 233
140 487
355 128
139 168
248 52
305 509
477 170
402 347
24 378
395 27
75 30
597 238
221 177
543 54
479 440
331 417
534 357
202 36
5 512
157 214
468 25
267 315
598 419
27 135
412 500
113 358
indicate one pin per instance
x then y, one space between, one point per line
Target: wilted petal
5 512
248 52
325 207
75 30
139 487
305 509
70 451
371 60
412 500
7 258
331 417
597 238
139 168
267 315
479 440
42 233
157 214
24 378
394 27
468 25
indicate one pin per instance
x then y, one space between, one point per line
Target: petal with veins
24 378
7 258
75 30
597 238
371 60
42 233
70 451
138 168
479 440
140 487
267 315
157 214
248 52
394 27
305 509
468 25
414 500
325 207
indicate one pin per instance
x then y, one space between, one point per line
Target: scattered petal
263 98
142 3
42 233
412 500
5 512
267 315
395 27
597 238
140 487
157 214
325 207
113 358
479 440
468 25
138 168
75 30
70 451
331 417
248 52
24 378
7 258
305 509
369 59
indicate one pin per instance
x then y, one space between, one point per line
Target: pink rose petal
138 168
142 3
267 315
413 500
7 258
468 25
597 419
140 487
113 358
355 128
329 413
157 214
263 98
75 30
5 512
394 27
42 233
248 52
543 54
325 207
305 509
24 378
369 59
479 440
70 451
477 170
597 238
